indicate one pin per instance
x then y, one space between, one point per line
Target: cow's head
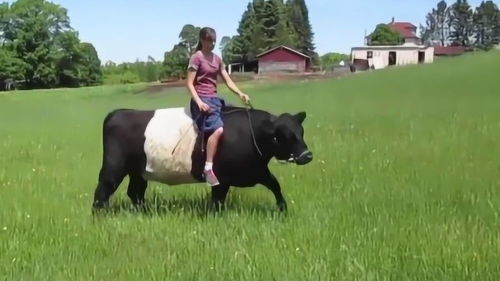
287 136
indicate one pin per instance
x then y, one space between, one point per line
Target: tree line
40 49
462 25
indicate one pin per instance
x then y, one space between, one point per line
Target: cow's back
170 138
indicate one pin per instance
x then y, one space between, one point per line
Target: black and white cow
164 146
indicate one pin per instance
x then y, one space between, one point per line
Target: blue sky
126 30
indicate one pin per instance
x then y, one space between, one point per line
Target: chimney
392 20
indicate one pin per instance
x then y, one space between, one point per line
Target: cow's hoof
141 206
282 207
99 211
219 206
99 207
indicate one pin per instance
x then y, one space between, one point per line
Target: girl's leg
212 144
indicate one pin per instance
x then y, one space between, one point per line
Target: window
369 54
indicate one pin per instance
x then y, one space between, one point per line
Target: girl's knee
219 131
216 134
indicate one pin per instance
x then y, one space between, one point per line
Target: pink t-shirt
207 71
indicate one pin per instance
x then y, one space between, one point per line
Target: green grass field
405 185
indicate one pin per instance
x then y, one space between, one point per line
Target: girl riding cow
203 70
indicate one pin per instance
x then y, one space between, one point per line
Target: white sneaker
211 178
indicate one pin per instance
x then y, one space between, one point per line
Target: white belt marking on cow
170 140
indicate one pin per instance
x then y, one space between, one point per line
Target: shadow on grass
200 207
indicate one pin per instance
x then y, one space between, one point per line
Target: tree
32 29
224 41
152 70
259 40
485 21
269 23
189 37
330 59
428 32
228 49
11 67
4 20
176 62
384 35
437 26
280 29
496 32
38 33
241 43
461 23
70 59
138 71
92 71
77 62
299 19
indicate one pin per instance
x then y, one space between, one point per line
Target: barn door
421 57
392 58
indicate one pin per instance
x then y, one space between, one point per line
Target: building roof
406 29
283 47
391 47
449 50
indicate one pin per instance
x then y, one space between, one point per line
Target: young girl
203 70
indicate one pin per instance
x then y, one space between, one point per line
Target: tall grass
404 186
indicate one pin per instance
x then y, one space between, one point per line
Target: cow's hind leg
219 194
110 177
137 189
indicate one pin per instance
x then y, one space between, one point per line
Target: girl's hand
204 107
245 98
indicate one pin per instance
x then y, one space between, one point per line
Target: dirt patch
244 77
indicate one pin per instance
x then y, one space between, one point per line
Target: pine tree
258 37
283 35
461 23
269 23
241 44
299 17
485 22
443 22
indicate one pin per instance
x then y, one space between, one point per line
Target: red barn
449 50
283 59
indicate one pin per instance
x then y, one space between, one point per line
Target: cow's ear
301 116
268 127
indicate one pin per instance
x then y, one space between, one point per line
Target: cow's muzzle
305 157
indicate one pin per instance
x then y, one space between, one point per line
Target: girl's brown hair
205 33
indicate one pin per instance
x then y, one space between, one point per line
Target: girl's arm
190 85
230 84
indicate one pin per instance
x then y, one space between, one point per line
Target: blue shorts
208 122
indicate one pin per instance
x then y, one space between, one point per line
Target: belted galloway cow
165 146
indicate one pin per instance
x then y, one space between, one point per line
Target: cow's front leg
272 183
219 194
